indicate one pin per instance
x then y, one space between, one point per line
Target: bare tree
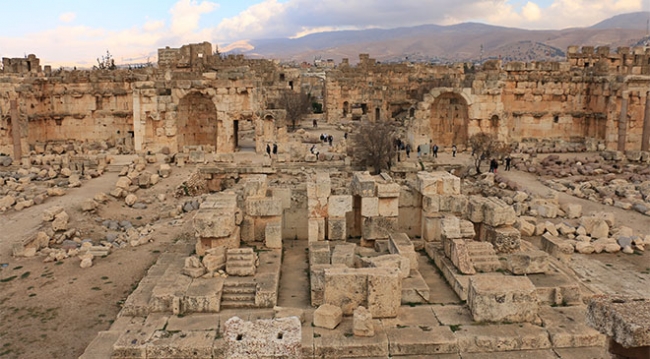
105 63
485 146
296 104
374 145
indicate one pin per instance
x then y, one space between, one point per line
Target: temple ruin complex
195 98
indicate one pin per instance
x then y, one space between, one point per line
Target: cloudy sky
76 32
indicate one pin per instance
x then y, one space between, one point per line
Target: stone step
239 264
226 304
238 290
238 297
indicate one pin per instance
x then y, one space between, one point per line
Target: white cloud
187 13
292 18
67 17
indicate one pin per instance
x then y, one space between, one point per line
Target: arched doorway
449 118
197 121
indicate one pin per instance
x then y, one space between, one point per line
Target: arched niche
197 121
449 119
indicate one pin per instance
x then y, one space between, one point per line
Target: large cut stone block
337 229
263 207
338 206
431 227
399 243
344 254
498 213
273 235
323 185
255 186
346 288
384 292
391 261
459 255
363 185
626 320
430 204
504 239
328 316
437 183
387 190
370 206
209 223
389 207
265 338
316 229
378 227
497 298
319 253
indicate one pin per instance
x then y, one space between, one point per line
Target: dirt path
294 281
17 226
53 310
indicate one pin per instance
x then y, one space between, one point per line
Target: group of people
273 150
327 138
494 164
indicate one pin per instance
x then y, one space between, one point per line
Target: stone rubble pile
43 176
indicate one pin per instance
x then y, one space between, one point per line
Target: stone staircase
237 295
240 262
483 257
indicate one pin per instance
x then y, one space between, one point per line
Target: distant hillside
461 42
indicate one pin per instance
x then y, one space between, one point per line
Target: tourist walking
275 149
453 150
268 149
508 160
419 151
408 150
330 139
435 151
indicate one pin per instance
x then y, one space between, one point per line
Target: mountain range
472 42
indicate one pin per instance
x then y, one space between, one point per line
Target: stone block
323 185
344 254
567 327
388 190
265 338
392 261
388 207
557 247
284 195
363 185
370 206
572 210
319 253
316 229
60 222
431 227
459 255
528 262
378 227
263 207
497 298
504 239
50 213
255 186
475 209
362 323
440 182
328 316
208 223
337 229
338 206
273 235
498 213
215 259
400 243
384 292
626 320
346 288
203 296
430 204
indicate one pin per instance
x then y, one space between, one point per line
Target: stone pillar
15 129
645 138
622 123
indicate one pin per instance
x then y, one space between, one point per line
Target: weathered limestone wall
580 98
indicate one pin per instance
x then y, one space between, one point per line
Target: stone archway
449 120
197 121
